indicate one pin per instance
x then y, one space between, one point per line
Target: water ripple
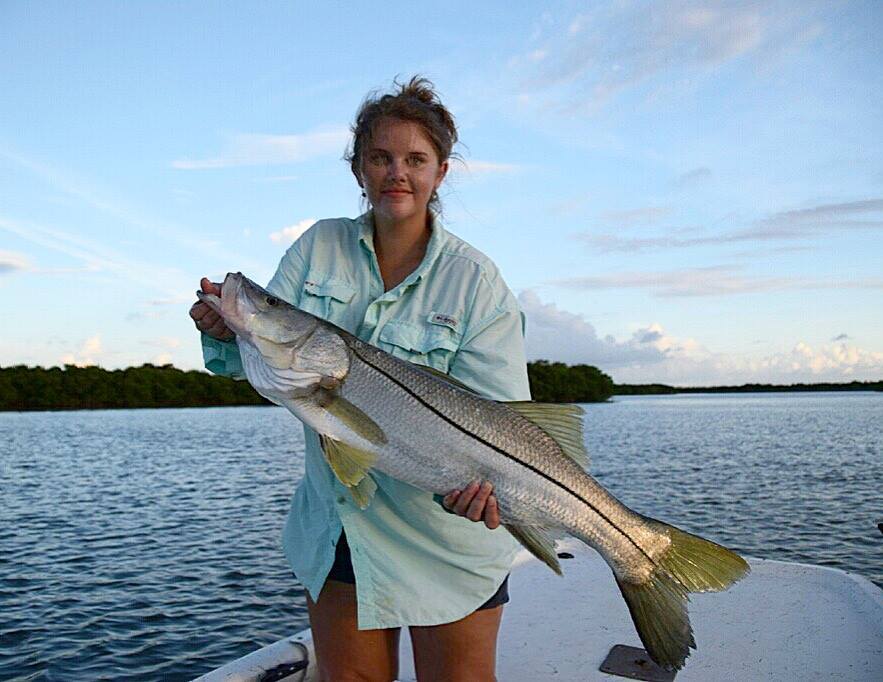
139 545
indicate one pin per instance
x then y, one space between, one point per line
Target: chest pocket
326 297
422 343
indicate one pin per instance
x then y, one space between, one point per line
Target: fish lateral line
509 455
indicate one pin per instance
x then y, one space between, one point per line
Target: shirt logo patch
446 320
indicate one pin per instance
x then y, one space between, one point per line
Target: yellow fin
537 541
363 491
563 422
349 464
355 419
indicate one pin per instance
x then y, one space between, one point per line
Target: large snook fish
374 411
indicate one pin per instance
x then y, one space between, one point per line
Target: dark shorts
342 572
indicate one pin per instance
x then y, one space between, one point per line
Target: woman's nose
395 169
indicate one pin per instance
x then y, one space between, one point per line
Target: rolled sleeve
222 357
492 358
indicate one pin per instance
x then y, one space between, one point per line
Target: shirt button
341 500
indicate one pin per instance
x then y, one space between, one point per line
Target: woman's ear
442 172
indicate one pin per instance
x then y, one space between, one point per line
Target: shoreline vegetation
83 388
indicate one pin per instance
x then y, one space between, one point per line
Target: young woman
397 279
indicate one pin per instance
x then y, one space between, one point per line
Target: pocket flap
335 288
416 338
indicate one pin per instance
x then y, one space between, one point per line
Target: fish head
254 314
284 336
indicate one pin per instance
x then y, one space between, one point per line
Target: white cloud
96 257
620 45
821 221
652 355
476 167
631 217
255 149
10 261
555 334
708 281
693 177
90 353
290 234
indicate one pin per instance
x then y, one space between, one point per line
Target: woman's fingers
449 499
491 513
465 499
476 507
198 311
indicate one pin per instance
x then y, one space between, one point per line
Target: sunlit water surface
144 544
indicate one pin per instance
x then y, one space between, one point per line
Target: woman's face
400 170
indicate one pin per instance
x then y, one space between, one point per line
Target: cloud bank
652 355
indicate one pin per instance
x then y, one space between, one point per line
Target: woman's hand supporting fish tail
207 320
476 502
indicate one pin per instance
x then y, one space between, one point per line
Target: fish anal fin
561 421
538 542
363 492
349 464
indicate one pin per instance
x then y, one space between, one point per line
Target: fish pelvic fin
561 421
659 605
538 542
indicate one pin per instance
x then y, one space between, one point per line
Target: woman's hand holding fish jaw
476 502
206 319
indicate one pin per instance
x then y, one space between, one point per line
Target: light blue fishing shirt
415 563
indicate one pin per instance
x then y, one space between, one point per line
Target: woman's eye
272 300
377 159
416 161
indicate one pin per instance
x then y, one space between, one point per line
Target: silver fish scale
534 481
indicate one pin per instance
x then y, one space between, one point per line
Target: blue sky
685 192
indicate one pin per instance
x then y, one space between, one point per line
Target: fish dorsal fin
538 542
563 422
446 377
349 464
359 422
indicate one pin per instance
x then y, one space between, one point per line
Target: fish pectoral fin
538 542
356 420
349 464
363 492
563 422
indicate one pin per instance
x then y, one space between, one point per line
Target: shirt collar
437 240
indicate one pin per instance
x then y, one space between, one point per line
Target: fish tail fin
659 604
700 565
659 610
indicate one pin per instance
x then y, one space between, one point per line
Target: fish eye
272 300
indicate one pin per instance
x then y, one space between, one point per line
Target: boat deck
785 621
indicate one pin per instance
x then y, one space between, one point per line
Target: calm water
144 544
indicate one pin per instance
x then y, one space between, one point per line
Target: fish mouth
227 303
